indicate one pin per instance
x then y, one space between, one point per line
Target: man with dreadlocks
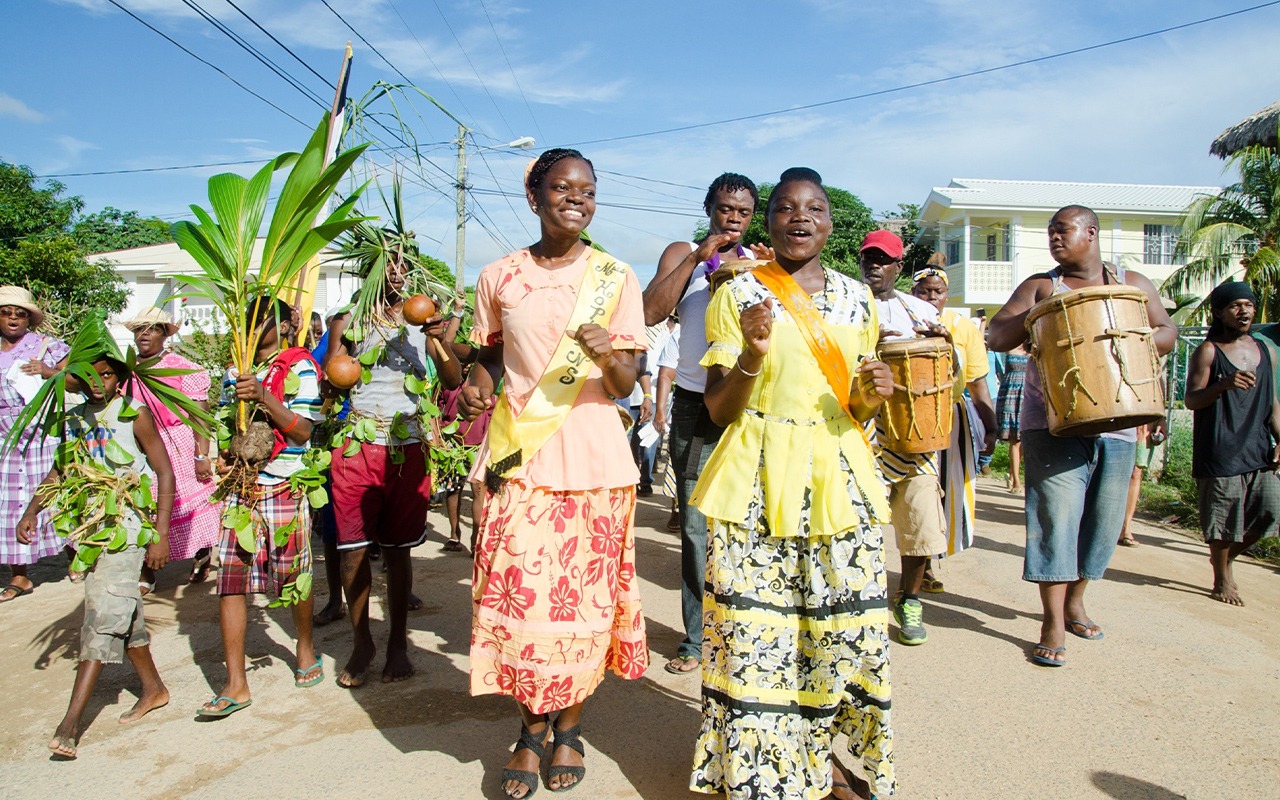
681 286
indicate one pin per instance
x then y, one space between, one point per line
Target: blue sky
83 87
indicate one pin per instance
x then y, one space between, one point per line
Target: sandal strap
532 741
570 738
529 779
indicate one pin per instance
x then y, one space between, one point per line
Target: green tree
63 283
113 229
27 211
1241 224
917 252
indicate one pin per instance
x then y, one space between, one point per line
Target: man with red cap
915 493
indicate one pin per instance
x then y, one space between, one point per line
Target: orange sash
814 328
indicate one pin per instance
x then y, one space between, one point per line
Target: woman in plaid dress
24 354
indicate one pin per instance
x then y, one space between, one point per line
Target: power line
473 68
523 96
253 51
209 64
370 46
431 60
154 169
933 82
270 36
651 180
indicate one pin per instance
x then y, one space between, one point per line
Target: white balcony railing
988 282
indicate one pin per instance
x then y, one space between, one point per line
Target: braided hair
730 182
548 159
798 175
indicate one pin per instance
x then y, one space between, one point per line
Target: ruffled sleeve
724 331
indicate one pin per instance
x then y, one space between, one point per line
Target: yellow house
994 232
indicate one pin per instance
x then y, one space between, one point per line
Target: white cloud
14 107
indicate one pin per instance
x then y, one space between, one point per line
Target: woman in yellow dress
795 643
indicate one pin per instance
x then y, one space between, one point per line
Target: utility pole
461 252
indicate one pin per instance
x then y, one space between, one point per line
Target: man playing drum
1076 485
915 492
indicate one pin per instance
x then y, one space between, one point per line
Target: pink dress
196 522
555 597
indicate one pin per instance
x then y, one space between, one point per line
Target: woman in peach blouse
555 595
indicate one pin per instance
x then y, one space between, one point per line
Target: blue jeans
643 455
1077 488
693 525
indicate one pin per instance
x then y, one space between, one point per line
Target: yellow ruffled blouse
793 431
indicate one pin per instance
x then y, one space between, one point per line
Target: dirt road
1181 699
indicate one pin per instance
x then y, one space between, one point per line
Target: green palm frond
47 410
1236 228
223 243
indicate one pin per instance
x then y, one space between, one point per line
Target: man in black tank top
1237 428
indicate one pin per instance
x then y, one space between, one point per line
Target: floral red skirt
555 597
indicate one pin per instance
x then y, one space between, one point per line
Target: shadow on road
1123 787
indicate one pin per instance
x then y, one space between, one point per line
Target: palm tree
1239 225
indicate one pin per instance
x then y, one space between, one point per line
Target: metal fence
1178 361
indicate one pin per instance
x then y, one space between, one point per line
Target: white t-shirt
670 354
904 313
692 311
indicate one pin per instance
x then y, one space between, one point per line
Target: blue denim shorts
1076 492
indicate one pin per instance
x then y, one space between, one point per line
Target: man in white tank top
681 287
1077 486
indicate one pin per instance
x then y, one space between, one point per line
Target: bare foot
526 760
415 602
148 702
1228 594
63 745
398 667
356 672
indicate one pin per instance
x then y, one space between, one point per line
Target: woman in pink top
194 526
555 594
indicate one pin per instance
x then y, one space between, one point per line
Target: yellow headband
930 272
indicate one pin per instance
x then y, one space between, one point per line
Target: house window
990 243
953 251
1160 244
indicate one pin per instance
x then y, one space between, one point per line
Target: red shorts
377 501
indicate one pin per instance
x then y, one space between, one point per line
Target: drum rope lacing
936 391
1116 335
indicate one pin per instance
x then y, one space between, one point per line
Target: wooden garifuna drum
918 417
732 269
1097 360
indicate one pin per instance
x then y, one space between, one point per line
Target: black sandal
528 741
570 739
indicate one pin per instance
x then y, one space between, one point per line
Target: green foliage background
44 243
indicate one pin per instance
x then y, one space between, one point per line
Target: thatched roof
1259 128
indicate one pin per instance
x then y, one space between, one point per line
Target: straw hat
153 316
20 297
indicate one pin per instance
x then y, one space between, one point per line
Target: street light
523 143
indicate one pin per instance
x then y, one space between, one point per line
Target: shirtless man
681 286
1076 485
1235 448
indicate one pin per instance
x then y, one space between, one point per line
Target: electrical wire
933 82
473 68
209 64
523 96
283 46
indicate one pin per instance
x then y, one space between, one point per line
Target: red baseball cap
886 241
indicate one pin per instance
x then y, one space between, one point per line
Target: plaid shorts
271 567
